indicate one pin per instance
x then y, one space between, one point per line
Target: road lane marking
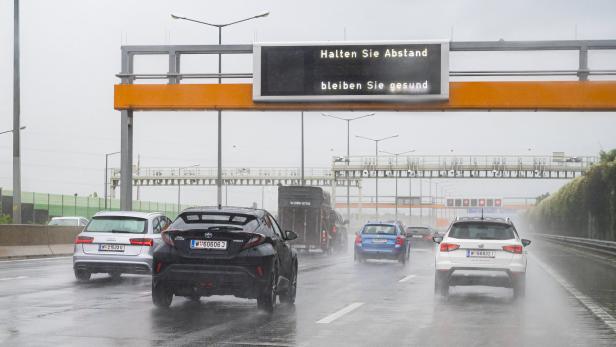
35 259
332 317
589 303
406 278
13 278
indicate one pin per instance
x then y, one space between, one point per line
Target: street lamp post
348 157
16 121
219 27
396 155
106 170
376 177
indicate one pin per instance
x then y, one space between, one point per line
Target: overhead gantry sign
400 77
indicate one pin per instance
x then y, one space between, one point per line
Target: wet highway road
339 303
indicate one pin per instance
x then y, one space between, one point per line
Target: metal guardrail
607 247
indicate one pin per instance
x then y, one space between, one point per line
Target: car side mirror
525 242
290 235
437 239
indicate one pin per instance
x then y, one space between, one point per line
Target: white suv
481 251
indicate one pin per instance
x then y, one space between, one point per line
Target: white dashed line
332 317
589 303
406 278
13 278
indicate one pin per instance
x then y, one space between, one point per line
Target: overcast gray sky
71 52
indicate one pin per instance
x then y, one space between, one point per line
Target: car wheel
194 298
267 299
519 286
358 258
82 275
441 284
161 295
289 296
402 258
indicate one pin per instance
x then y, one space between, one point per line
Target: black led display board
397 71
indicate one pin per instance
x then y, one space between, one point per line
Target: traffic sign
345 71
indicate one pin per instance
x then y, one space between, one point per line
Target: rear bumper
389 253
111 267
205 280
140 265
491 277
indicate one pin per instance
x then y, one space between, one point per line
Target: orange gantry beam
523 95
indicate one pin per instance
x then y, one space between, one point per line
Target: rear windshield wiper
121 231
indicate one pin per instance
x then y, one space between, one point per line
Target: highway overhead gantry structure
476 95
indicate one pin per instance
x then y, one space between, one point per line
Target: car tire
289 296
162 296
194 298
441 284
82 275
519 286
358 257
402 258
267 299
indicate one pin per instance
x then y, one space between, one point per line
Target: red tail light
334 229
254 241
159 266
358 239
399 241
259 271
166 238
83 239
517 249
142 242
448 247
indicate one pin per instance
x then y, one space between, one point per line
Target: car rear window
482 231
64 222
419 231
379 229
117 224
202 219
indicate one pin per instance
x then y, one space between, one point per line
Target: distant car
382 241
117 243
489 247
419 233
68 221
229 251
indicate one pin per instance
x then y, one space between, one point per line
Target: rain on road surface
339 303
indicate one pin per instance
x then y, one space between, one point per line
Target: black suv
229 251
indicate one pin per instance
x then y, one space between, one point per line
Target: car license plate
479 253
208 244
105 247
379 240
418 236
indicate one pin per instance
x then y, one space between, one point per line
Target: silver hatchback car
117 243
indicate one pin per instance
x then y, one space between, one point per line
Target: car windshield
113 224
64 222
379 229
482 231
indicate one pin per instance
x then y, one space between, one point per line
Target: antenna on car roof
482 213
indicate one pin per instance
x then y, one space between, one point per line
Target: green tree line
585 207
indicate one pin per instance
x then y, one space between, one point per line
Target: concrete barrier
29 240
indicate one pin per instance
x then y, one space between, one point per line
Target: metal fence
41 207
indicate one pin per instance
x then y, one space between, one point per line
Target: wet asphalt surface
386 304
